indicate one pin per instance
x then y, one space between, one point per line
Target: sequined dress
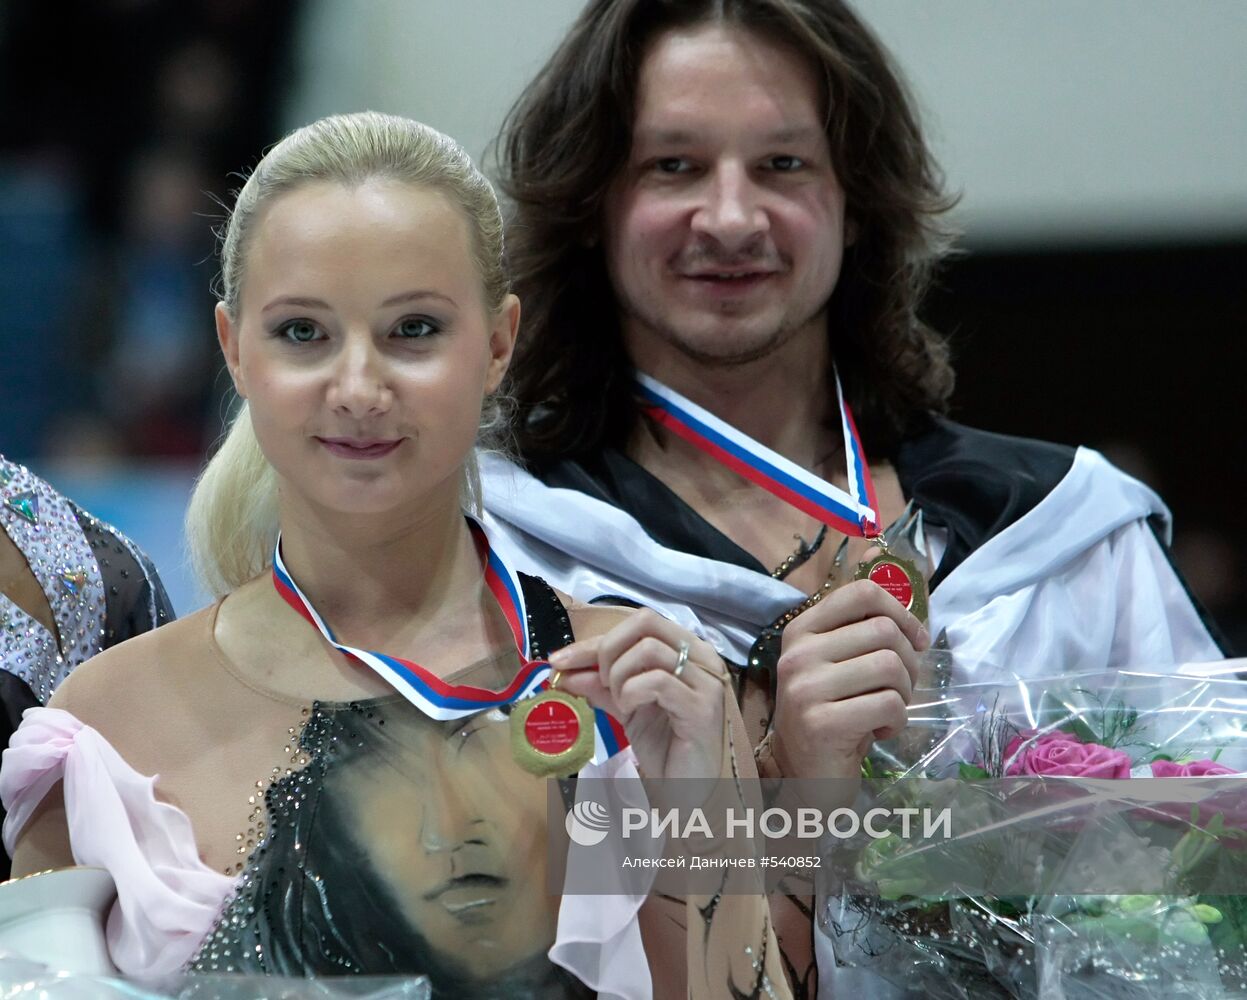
396 844
300 837
100 587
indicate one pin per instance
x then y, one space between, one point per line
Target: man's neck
780 400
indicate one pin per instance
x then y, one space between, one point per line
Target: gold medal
552 733
900 578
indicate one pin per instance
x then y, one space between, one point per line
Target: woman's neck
375 579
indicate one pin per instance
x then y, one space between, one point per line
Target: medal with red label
552 733
851 513
559 739
899 577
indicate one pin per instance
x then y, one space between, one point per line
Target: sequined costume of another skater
100 587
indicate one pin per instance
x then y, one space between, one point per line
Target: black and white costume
1047 558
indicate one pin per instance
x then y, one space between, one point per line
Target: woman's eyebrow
417 294
306 302
302 301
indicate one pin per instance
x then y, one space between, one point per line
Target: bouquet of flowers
1093 843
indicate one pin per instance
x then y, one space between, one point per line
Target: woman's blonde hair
231 523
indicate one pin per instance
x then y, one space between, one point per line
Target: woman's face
363 344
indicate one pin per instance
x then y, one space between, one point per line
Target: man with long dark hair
725 218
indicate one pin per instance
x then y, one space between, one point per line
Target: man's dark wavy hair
569 134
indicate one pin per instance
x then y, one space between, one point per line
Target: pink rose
1228 802
1058 754
1191 769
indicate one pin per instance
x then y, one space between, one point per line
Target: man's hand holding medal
849 661
845 678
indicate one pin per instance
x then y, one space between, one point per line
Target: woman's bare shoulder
120 682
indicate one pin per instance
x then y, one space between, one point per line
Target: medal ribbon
852 513
429 693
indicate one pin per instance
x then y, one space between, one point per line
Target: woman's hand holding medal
663 684
845 677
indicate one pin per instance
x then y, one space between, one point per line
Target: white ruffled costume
1079 582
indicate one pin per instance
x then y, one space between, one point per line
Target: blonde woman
287 782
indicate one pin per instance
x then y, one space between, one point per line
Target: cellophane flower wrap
1080 835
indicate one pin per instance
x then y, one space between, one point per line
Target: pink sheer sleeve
167 898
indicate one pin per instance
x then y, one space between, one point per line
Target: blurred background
1100 150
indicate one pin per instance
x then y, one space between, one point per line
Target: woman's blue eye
414 327
300 331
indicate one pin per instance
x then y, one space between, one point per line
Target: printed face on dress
458 835
724 232
363 343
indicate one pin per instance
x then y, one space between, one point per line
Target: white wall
455 64
1083 118
1077 120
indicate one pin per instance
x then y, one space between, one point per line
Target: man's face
725 230
458 840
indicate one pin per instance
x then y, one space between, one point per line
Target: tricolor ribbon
852 513
429 693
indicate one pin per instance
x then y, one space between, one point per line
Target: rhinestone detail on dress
276 803
63 563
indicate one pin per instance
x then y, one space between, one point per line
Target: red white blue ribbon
429 693
852 513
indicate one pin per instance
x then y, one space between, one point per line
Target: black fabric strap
549 628
131 589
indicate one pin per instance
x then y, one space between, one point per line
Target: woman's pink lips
348 448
